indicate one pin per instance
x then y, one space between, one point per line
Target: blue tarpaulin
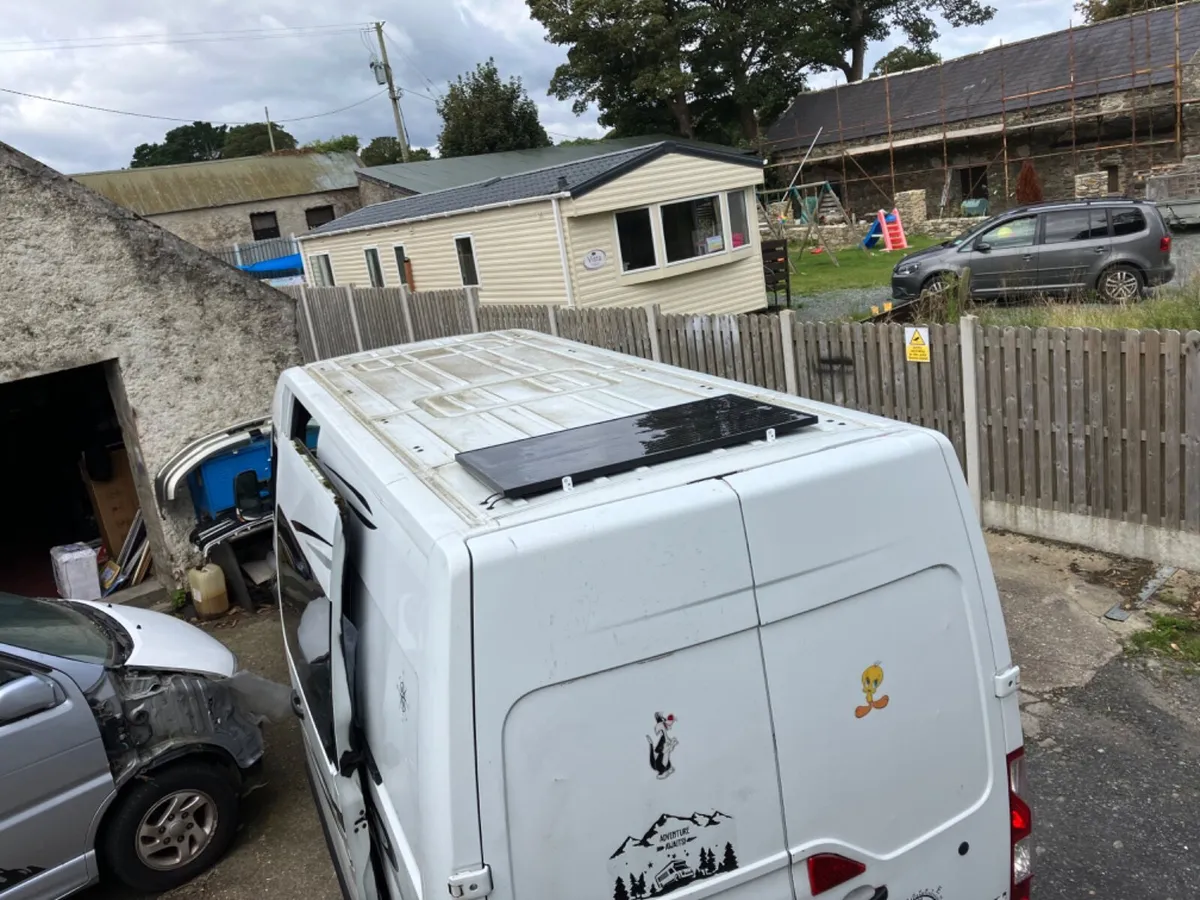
291 263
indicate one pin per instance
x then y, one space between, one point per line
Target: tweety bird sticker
872 678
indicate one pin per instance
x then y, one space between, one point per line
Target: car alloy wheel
1121 285
176 830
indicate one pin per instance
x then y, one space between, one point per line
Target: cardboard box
75 572
114 502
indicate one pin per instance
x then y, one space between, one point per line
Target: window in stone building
318 216
1114 179
974 182
264 225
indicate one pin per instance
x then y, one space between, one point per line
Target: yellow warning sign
916 344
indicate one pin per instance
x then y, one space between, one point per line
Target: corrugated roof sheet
577 178
164 189
1104 60
441 174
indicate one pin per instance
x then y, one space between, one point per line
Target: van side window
305 611
1127 222
304 427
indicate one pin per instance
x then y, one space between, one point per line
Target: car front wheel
170 825
1120 284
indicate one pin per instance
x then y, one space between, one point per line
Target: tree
197 142
253 140
637 886
482 114
347 143
385 151
901 59
1099 10
697 68
619 892
1029 186
842 29
729 862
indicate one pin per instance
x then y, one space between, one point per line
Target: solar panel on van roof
539 464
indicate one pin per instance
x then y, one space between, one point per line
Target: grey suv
1113 247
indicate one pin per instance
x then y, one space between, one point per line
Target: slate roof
440 174
575 178
971 84
163 189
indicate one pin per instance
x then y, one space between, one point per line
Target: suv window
1075 225
1128 221
1013 233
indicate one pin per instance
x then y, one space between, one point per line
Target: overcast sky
298 75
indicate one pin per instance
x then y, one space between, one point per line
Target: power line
410 61
180 34
122 112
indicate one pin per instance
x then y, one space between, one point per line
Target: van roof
425 403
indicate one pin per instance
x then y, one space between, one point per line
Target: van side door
1075 248
320 641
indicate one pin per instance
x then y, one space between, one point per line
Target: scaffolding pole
887 93
1178 91
1004 124
837 100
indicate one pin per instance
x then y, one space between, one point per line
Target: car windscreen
971 232
57 628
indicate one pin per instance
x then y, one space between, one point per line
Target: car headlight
907 268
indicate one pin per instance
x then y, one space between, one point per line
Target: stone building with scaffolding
1094 108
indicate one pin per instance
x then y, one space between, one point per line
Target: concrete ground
1113 745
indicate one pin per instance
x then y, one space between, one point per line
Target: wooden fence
1083 422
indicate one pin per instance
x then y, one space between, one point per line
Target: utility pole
270 133
393 94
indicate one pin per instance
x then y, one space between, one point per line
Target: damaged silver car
126 739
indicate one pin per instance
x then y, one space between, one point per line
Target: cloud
222 80
213 78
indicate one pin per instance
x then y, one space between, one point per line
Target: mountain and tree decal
674 851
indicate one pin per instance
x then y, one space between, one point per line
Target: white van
564 623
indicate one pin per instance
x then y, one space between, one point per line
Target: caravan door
310 548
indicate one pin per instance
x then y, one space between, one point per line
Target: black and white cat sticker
662 745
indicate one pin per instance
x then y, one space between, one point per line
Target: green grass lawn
815 273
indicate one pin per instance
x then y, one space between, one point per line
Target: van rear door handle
1100 251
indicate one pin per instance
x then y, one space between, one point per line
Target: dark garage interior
61 433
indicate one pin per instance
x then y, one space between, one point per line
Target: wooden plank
716 365
1152 425
925 381
900 396
858 353
982 410
1191 453
1047 417
1097 479
995 408
845 368
1012 413
1076 415
874 402
751 350
695 345
772 327
1134 450
803 361
1114 442
883 337
1172 414
739 358
671 346
1026 398
938 337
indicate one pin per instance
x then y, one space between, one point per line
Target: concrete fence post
353 317
553 311
652 326
787 334
407 313
473 308
967 334
237 254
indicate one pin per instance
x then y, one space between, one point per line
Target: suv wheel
935 285
1120 284
170 825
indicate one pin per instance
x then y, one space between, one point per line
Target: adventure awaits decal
674 851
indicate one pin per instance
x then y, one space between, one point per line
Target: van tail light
828 870
1164 244
1021 818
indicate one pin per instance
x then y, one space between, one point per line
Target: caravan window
692 228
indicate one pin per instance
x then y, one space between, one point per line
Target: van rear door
623 728
880 671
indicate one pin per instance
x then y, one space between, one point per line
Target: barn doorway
67 476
